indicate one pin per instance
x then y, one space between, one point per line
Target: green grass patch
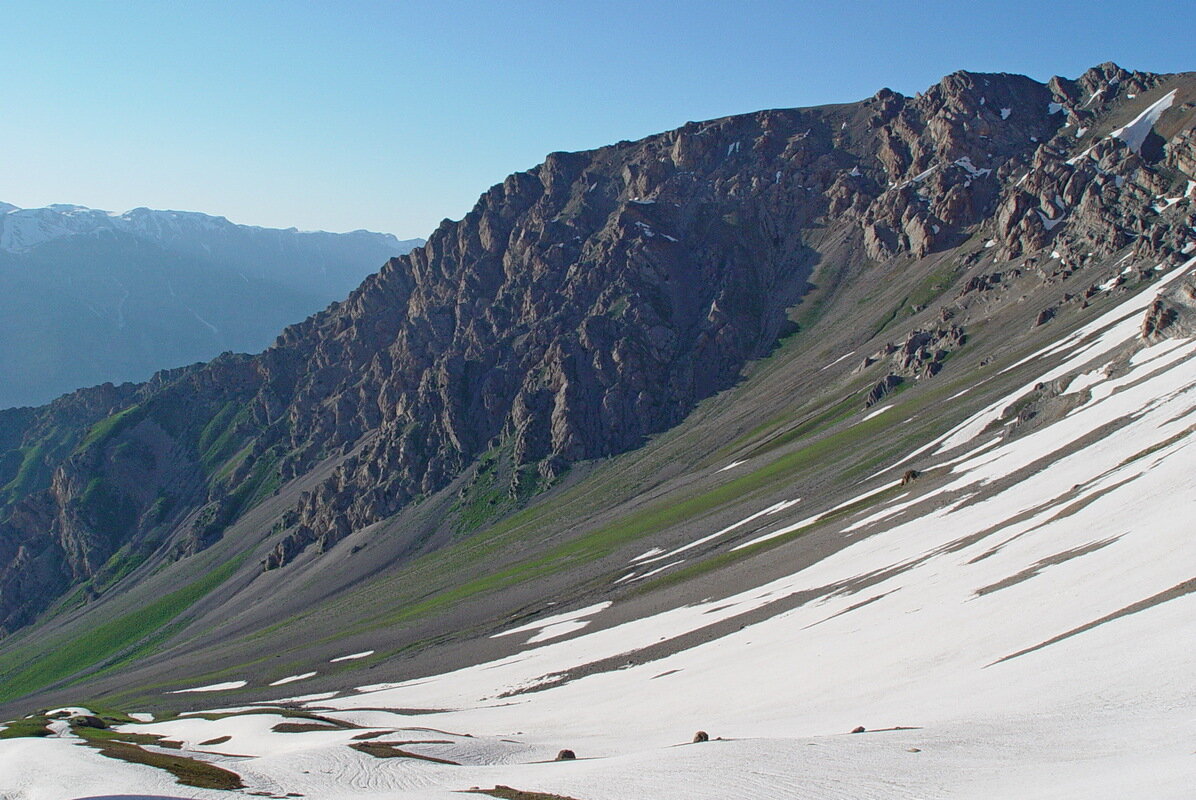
219 441
930 288
37 464
812 425
187 771
489 496
109 735
880 326
261 482
607 540
22 728
122 562
109 427
22 671
229 466
108 508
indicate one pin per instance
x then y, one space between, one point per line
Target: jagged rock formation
593 301
1173 315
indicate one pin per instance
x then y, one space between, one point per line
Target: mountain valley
773 427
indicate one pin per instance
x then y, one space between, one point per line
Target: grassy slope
41 663
802 429
821 442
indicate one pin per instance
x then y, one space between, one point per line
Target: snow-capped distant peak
22 229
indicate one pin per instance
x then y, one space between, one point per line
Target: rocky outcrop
1173 314
882 389
105 476
921 354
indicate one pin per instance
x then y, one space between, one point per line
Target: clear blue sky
394 115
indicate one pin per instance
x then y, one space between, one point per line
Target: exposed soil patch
187 771
507 793
304 727
370 735
851 608
1179 590
1032 570
388 750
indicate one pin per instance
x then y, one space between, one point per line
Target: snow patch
877 412
556 619
1135 133
213 687
292 678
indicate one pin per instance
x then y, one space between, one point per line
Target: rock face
1173 315
582 306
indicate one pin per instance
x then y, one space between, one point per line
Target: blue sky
392 115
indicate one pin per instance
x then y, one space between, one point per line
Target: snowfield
1024 630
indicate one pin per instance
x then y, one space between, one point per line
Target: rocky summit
574 395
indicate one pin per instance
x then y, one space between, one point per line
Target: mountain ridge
504 354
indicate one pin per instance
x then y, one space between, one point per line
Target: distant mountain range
89 296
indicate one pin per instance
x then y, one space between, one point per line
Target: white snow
732 465
932 644
921 176
1005 112
141 716
1054 108
970 168
776 508
1031 639
351 656
651 572
790 528
1047 222
548 622
306 698
837 360
213 687
1135 133
558 630
878 412
648 553
293 678
72 711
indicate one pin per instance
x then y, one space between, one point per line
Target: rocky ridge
591 302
